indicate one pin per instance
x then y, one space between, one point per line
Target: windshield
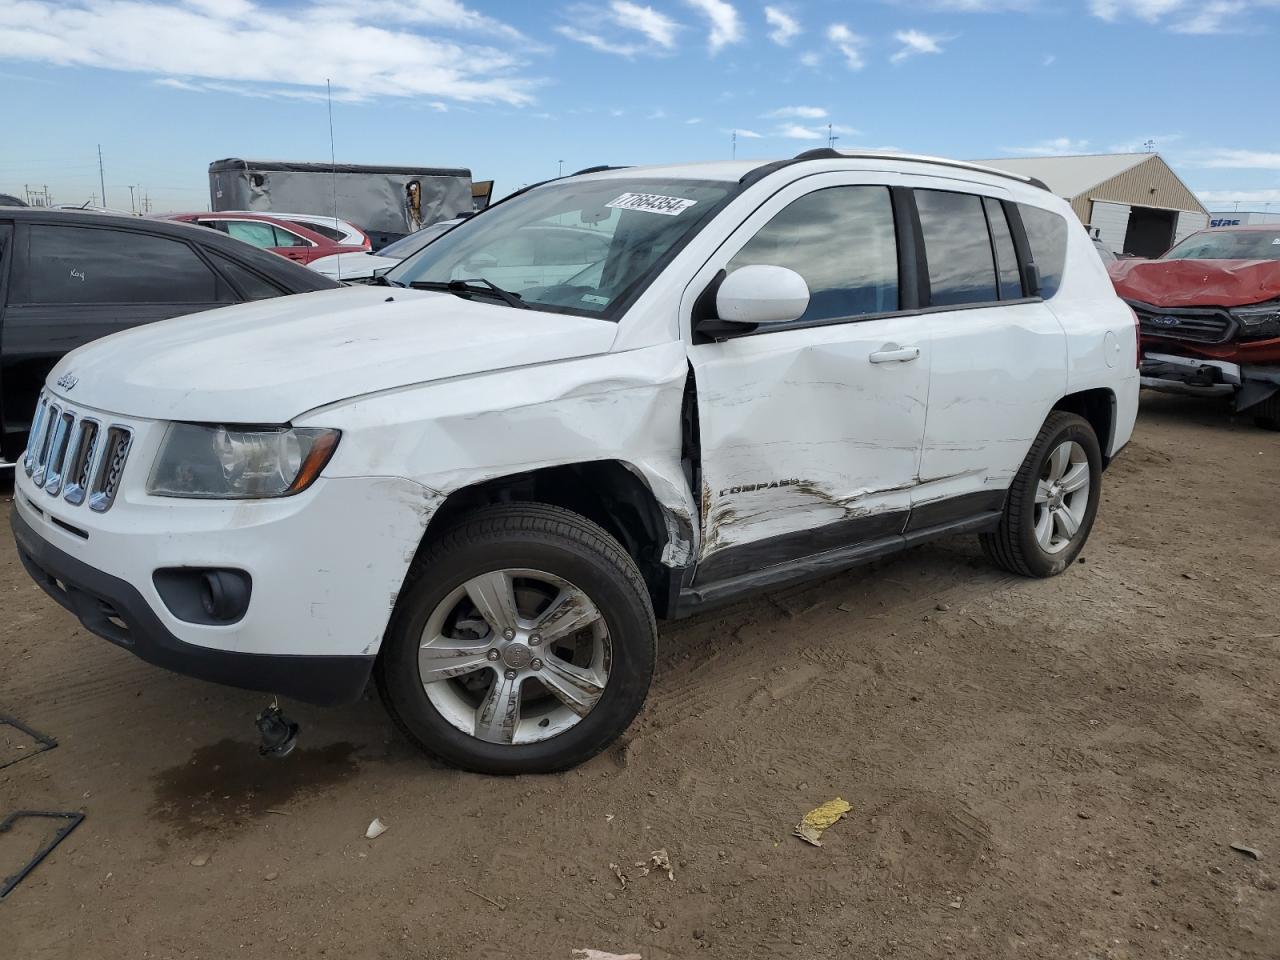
1228 245
408 246
571 246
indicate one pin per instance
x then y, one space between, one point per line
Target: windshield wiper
380 280
473 286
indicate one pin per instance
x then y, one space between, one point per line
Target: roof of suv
296 277
751 170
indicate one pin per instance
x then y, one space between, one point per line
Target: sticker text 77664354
652 203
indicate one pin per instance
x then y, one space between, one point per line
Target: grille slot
107 481
52 417
36 434
1199 325
80 466
58 443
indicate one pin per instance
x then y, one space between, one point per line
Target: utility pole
102 181
560 169
735 145
132 208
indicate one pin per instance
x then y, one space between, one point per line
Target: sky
518 90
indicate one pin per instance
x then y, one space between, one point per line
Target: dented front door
811 433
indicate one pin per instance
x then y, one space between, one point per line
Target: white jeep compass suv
483 491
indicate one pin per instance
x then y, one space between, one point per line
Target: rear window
1047 238
95 265
957 248
323 229
251 285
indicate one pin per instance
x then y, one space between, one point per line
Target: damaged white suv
480 483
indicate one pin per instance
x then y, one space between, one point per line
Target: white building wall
1188 223
1112 222
1242 218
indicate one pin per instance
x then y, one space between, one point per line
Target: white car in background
363 267
339 231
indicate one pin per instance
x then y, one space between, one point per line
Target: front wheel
1267 414
523 642
1052 502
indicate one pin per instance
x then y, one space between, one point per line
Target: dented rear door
811 431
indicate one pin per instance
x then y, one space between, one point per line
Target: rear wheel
523 642
1052 502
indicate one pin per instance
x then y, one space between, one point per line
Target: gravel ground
1046 769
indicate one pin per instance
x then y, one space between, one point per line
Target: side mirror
762 294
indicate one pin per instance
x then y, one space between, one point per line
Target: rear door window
286 238
957 247
251 285
842 241
96 265
1006 254
1047 238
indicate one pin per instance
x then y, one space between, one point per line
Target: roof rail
600 169
829 153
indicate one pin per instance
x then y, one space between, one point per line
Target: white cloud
726 26
914 42
1049 60
255 50
1183 16
1139 144
744 134
802 113
1051 148
693 120
785 27
849 44
1232 159
658 27
1266 195
658 114
810 59
794 131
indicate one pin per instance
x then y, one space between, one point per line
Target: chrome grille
76 457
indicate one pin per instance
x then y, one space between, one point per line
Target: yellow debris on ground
819 819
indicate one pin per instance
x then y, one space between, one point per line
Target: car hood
351 266
1185 283
269 361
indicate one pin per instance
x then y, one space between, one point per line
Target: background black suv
68 277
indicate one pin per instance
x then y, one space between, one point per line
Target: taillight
1137 338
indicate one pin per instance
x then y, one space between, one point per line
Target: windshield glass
408 246
1228 245
572 246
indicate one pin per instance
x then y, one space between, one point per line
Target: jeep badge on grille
68 381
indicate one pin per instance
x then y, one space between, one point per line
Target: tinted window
253 286
1006 254
1047 237
337 236
258 234
958 248
89 265
842 241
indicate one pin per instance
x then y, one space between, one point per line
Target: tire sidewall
1045 564
631 632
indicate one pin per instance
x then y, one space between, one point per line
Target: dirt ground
1046 769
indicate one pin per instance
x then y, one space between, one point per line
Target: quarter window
1047 237
957 248
842 241
286 238
93 265
1006 255
252 285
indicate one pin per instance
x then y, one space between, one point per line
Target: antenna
102 181
560 171
831 138
1150 145
333 164
735 145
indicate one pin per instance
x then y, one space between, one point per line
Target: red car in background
285 237
1209 312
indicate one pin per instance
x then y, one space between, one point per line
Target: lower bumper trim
113 609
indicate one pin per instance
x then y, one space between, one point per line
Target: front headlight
237 463
1259 320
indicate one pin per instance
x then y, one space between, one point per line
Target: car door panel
807 443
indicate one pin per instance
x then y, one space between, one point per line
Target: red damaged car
1209 311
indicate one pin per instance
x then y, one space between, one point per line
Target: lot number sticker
652 203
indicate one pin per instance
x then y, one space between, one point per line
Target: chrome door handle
893 354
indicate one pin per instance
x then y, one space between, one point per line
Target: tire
1022 546
1267 413
524 552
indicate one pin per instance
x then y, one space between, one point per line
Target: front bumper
112 609
1248 384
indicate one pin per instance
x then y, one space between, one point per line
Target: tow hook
279 733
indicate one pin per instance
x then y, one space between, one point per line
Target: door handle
895 354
